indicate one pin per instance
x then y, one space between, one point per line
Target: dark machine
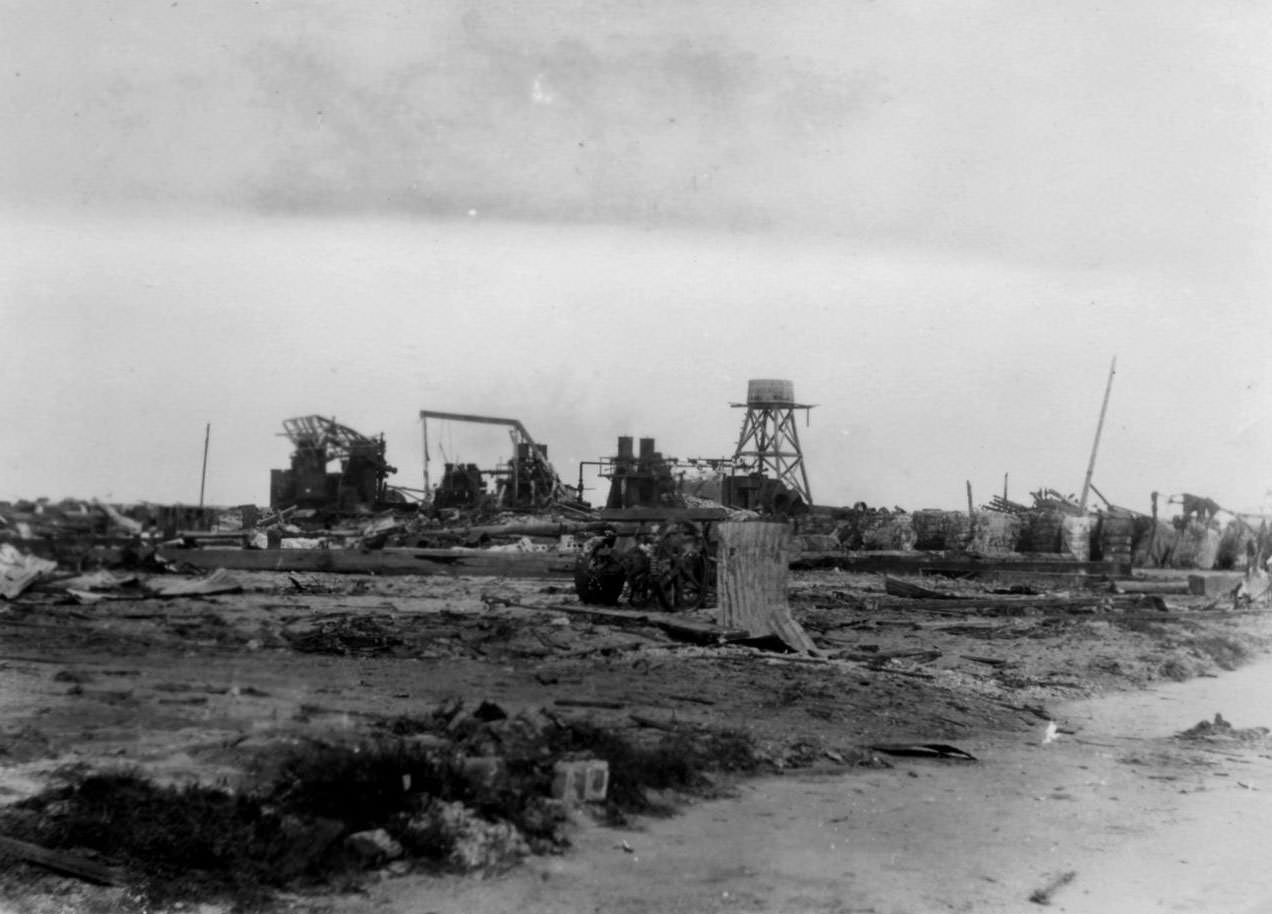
527 482
463 486
359 484
659 547
656 548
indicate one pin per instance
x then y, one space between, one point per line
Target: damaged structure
360 483
527 482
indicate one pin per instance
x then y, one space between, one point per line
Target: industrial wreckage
488 687
651 541
654 541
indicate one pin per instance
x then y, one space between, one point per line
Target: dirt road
1146 823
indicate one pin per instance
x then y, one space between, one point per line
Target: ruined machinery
359 484
661 545
657 548
527 482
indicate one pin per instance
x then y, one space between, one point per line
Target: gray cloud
562 129
1088 134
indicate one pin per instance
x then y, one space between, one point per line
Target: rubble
19 571
373 847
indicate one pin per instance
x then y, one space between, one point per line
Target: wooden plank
1166 587
62 862
922 563
380 561
899 588
677 627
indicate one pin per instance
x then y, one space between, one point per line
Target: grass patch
175 842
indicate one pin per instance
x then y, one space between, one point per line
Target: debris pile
19 571
450 790
1219 730
360 636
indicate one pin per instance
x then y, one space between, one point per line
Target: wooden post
424 423
971 517
1152 537
203 480
754 558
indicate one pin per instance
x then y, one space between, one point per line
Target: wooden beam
58 860
392 561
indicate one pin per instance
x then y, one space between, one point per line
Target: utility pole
424 424
1095 445
203 480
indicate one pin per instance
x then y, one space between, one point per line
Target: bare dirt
205 690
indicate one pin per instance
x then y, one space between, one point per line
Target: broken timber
959 566
60 861
390 561
676 627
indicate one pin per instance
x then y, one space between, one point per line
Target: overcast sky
941 221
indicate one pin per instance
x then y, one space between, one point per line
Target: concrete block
482 770
1214 584
581 781
374 847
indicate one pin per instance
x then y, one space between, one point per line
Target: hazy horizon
602 219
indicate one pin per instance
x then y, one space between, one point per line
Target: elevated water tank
770 392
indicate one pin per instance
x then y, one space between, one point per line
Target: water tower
769 443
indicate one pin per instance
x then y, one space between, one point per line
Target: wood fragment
60 861
696 699
1043 895
918 656
898 588
652 723
1150 587
923 750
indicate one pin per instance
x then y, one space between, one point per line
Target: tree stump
754 561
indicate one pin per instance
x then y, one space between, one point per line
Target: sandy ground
1145 823
194 690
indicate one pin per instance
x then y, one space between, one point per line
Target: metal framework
338 441
318 440
769 442
531 477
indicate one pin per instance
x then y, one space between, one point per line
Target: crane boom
532 480
484 420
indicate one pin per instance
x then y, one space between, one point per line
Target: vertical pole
424 424
1150 556
207 437
1095 445
1005 487
971 512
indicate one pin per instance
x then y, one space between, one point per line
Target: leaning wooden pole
203 479
1095 445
